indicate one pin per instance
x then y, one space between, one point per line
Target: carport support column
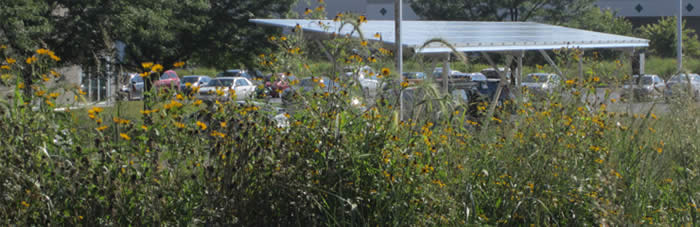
642 59
580 65
445 73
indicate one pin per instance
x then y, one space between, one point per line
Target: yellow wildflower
147 65
20 85
386 71
101 128
31 60
363 43
25 204
124 136
197 102
202 125
377 35
179 125
307 11
54 57
5 67
145 128
362 19
157 68
179 64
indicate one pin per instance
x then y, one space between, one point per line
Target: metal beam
446 73
502 83
551 63
580 66
679 36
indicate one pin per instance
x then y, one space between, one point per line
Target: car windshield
137 79
535 78
647 80
190 79
220 83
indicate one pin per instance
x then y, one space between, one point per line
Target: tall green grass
554 160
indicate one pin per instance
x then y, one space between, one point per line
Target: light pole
679 35
398 16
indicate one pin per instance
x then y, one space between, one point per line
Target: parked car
678 85
168 80
310 84
282 83
236 73
541 83
437 72
134 88
368 78
194 81
646 86
219 89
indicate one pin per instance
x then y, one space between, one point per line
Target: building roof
468 36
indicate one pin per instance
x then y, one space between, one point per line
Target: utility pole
398 16
679 35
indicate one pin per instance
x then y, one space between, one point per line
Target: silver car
541 83
678 84
646 86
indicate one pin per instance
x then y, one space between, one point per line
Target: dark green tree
25 24
663 41
599 20
213 32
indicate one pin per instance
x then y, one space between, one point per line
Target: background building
639 12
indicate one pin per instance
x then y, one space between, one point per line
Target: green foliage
596 19
663 39
489 10
213 32
25 24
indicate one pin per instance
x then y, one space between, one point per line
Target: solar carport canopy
470 36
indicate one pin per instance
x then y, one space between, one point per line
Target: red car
282 83
168 80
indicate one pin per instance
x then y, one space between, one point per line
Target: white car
369 81
678 85
220 89
541 83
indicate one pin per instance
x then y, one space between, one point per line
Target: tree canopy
216 32
500 10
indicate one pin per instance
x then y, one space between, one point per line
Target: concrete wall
66 85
